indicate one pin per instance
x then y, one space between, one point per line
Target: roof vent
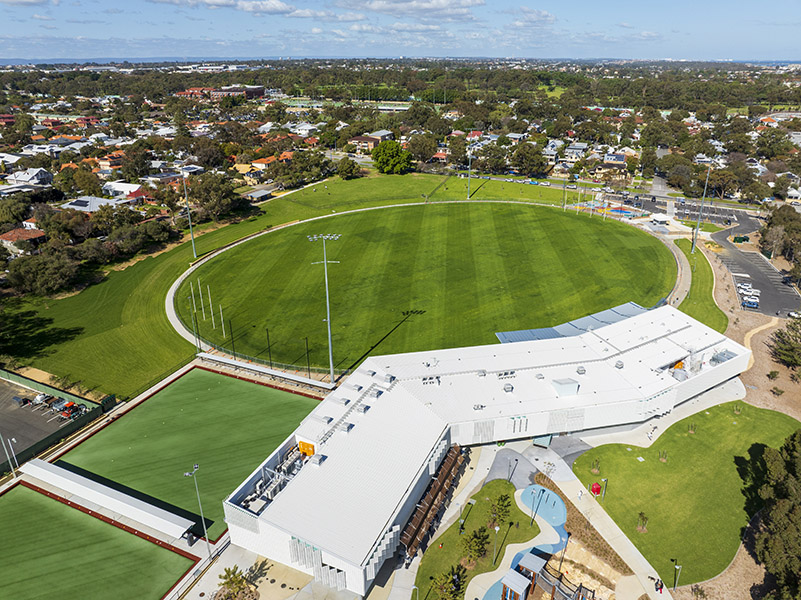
356 387
508 388
478 407
363 408
581 370
481 373
389 378
540 376
341 400
371 373
375 393
317 459
619 364
345 426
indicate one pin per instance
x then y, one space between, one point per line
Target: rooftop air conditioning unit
363 408
581 370
508 388
619 364
375 393
317 459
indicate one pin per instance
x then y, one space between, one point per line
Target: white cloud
625 25
23 2
364 28
532 17
325 15
648 36
316 30
417 27
451 10
270 7
41 17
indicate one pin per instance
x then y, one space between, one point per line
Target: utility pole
324 237
469 165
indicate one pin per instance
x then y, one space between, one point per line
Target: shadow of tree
26 334
752 471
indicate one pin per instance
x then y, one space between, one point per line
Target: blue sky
679 29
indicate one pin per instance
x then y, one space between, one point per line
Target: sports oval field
422 277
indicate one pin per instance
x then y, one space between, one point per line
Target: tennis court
56 551
225 425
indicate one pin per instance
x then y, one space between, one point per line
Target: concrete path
750 334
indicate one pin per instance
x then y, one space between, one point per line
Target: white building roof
111 499
373 456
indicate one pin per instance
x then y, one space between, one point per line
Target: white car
545 183
754 292
751 299
794 315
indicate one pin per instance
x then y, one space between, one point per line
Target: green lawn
700 302
694 502
705 227
114 336
225 425
474 269
55 551
437 560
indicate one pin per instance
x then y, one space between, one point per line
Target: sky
677 29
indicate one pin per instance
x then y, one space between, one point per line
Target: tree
87 182
208 153
773 239
785 344
348 169
528 160
475 544
500 509
450 584
136 164
722 182
233 582
773 142
13 209
42 274
390 157
215 195
422 147
458 148
777 544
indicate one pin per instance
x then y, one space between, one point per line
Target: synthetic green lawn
694 502
225 425
437 560
705 227
114 336
700 302
474 269
51 550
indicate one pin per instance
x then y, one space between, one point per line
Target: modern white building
343 492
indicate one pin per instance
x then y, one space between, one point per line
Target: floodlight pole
469 165
495 544
603 493
11 442
211 308
8 458
189 216
314 238
701 210
193 475
564 551
269 347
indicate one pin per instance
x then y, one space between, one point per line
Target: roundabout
416 277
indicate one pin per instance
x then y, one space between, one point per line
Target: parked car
572 186
545 183
794 315
750 304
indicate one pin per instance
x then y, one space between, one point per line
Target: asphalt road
778 297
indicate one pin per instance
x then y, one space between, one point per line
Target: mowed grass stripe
56 551
226 425
475 269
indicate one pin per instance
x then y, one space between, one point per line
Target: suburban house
36 176
246 91
111 161
160 179
120 188
6 120
90 204
613 166
10 239
364 143
382 135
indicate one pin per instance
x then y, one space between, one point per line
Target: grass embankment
472 269
705 227
114 336
438 560
700 302
225 425
60 552
694 502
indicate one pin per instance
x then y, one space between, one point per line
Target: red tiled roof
20 234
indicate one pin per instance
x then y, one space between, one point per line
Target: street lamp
510 471
11 442
324 237
540 494
416 591
193 475
603 493
8 458
469 165
189 217
676 572
495 544
564 551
